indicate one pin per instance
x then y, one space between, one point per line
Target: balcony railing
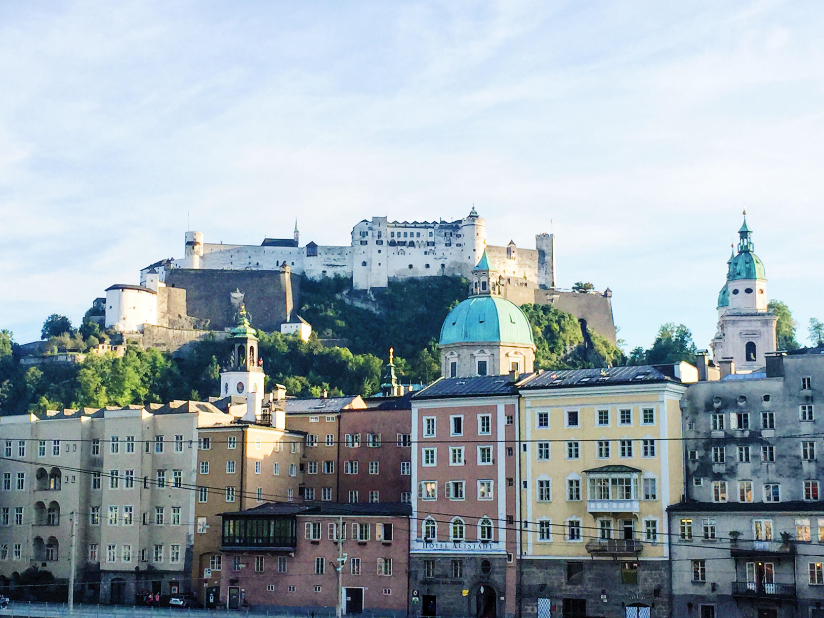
758 589
614 547
761 548
613 506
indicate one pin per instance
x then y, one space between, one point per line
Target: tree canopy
56 325
816 332
673 344
785 327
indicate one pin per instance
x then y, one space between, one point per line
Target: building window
320 566
743 454
544 490
406 468
159 515
374 496
158 442
745 491
428 490
650 489
686 529
811 491
805 412
603 449
373 440
385 567
719 491
457 569
574 530
202 494
572 418
430 456
603 418
772 492
259 564
651 530
485 490
802 530
626 417
719 455
484 424
626 448
699 571
454 490
543 420
768 454
573 490
648 416
768 420
808 451
95 448
545 530
158 553
543 451
456 456
718 422
456 425
708 527
350 467
230 494
481 367
806 383
353 496
429 568
428 426
573 450
204 444
484 455
816 574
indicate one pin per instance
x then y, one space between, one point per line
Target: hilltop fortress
217 276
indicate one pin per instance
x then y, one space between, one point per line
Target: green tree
6 343
816 332
673 344
785 327
582 286
55 325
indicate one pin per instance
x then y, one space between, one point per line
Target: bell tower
244 376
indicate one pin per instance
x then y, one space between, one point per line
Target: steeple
473 214
389 383
745 235
485 280
297 234
244 343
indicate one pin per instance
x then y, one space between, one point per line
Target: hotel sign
461 546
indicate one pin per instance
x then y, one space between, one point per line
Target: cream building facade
600 462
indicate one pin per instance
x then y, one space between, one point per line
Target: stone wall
208 295
548 579
175 340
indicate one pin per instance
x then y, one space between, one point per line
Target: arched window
39 549
485 529
39 514
51 549
750 351
55 478
456 530
53 515
42 479
430 529
251 356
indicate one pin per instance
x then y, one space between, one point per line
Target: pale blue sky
640 129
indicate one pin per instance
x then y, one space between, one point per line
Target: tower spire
297 234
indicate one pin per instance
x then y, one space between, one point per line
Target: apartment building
376 453
600 462
284 555
319 419
239 466
463 538
750 533
126 474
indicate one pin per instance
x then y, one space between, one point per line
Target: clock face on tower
240 387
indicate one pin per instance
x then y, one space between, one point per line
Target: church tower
486 334
244 376
746 327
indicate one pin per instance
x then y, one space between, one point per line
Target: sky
636 132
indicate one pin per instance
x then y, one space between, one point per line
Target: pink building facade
282 555
463 541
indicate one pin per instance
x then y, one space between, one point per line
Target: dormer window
483 286
482 368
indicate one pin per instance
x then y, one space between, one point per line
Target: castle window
735 291
748 291
750 351
392 235
410 267
426 265
453 369
363 264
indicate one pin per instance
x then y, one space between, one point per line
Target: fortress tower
746 327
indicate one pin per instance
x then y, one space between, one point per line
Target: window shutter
308 528
447 489
378 532
420 489
733 420
355 534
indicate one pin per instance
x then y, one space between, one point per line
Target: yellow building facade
600 462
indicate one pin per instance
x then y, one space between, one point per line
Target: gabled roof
613 470
404 402
481 386
320 405
279 242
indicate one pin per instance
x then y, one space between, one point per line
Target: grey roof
747 507
755 375
295 318
404 402
183 407
319 404
223 403
279 242
480 386
385 509
596 377
127 286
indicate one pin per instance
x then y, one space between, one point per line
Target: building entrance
429 605
354 600
637 610
486 602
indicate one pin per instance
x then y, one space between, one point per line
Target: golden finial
391 355
745 212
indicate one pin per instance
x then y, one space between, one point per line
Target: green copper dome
724 297
486 319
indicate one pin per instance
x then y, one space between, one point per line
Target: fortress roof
126 286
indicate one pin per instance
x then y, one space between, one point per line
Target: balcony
748 549
613 506
614 547
757 590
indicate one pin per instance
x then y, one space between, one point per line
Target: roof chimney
727 367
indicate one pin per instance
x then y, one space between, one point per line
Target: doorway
486 602
354 601
234 597
429 604
628 529
575 608
118 591
767 612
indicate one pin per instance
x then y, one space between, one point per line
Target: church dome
746 265
486 319
724 297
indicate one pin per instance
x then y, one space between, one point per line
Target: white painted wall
127 309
